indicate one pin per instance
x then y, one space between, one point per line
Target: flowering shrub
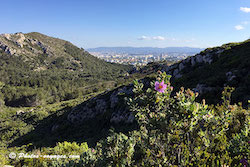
176 131
160 87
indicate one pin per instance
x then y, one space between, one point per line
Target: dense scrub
230 68
173 131
59 78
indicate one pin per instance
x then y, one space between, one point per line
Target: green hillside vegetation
64 72
40 88
235 60
173 131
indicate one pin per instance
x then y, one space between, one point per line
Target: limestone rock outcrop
111 102
206 57
22 44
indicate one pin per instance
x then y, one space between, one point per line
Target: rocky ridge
19 43
109 102
112 102
228 59
206 57
34 46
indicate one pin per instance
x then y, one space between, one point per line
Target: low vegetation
173 131
61 72
230 68
173 125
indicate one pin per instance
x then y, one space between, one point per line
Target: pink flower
160 87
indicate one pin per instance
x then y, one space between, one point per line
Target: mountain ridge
208 57
143 50
34 62
106 119
110 110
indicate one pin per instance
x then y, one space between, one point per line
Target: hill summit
34 66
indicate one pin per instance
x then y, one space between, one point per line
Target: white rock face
20 40
7 36
207 58
33 41
175 69
181 66
199 59
102 104
20 112
193 61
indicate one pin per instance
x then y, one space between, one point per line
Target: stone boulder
108 102
199 58
20 39
207 58
181 66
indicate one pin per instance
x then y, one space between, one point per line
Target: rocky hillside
43 52
215 68
37 69
91 120
206 73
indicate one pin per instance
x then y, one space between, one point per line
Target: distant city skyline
135 23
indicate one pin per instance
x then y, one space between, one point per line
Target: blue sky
156 23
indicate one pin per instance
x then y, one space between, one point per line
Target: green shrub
176 131
173 131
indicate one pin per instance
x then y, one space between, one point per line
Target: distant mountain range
56 92
145 50
206 73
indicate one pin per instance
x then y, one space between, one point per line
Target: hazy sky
156 23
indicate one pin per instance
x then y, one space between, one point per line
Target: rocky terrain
30 45
207 73
215 68
209 58
48 50
94 116
35 67
112 102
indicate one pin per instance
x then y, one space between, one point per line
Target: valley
57 98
